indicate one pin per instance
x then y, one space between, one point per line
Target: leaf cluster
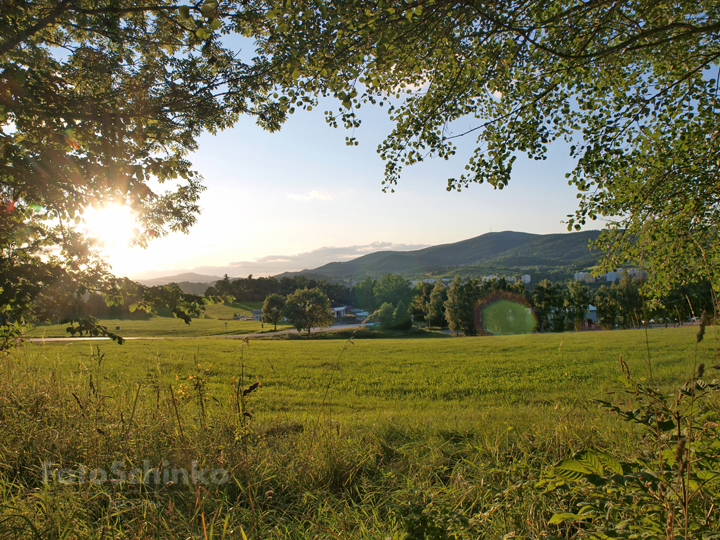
630 86
100 104
666 492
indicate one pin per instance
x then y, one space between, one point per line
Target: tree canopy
631 86
100 103
273 308
393 289
306 308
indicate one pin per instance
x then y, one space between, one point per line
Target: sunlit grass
344 441
218 322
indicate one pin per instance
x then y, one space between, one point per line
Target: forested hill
502 251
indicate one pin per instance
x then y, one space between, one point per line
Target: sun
114 225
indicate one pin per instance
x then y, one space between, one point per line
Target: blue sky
300 198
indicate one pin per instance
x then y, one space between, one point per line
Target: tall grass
406 445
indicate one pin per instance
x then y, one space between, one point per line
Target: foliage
622 304
630 301
306 308
501 284
401 317
386 315
607 306
460 305
365 297
687 301
668 491
549 306
436 306
251 289
392 288
100 104
428 519
453 305
273 308
421 297
578 301
637 103
504 313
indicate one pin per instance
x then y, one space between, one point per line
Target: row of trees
557 307
251 289
369 295
623 304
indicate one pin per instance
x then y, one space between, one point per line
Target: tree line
556 307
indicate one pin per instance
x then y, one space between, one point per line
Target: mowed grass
218 321
364 378
374 438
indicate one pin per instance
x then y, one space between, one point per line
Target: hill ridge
495 250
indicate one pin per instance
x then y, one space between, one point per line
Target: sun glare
113 225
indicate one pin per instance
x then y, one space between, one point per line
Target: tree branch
23 35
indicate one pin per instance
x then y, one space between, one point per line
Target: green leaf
571 469
557 519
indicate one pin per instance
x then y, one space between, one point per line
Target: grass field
374 439
218 321
381 376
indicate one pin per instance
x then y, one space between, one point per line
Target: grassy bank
399 438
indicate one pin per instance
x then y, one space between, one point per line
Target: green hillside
505 252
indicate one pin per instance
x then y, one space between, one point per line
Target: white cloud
308 260
321 195
277 264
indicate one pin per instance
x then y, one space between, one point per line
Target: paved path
221 336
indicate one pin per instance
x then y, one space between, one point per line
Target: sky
300 198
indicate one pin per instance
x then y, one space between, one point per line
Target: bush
404 325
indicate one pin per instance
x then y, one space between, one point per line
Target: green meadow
391 376
360 438
217 321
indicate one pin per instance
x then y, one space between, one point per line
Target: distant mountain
190 277
509 251
551 250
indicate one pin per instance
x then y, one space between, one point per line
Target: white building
613 276
257 314
637 273
338 312
525 278
587 277
426 280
